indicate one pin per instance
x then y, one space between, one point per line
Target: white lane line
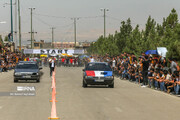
107 99
118 109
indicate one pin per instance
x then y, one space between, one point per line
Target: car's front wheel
84 84
38 80
111 86
15 80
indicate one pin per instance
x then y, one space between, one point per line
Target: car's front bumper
26 77
99 81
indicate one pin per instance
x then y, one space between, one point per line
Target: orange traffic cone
53 95
53 111
54 72
53 83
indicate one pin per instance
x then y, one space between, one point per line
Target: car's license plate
99 80
26 76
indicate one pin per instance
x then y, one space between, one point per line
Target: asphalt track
127 101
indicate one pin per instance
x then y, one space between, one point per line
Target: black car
27 70
98 73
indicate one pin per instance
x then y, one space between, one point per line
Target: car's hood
26 70
99 73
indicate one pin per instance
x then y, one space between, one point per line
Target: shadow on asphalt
99 86
27 81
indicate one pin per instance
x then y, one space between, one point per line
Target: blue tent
154 52
83 56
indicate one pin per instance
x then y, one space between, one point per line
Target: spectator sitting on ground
169 83
177 83
151 77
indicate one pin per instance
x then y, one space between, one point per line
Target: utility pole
75 29
31 28
15 32
11 20
104 10
52 37
33 38
19 14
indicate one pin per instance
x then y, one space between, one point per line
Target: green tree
135 41
149 35
173 51
124 34
6 38
1 41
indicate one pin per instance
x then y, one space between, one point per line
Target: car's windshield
27 66
98 67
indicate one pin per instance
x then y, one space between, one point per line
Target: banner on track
53 51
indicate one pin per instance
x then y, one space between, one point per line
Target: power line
113 18
68 31
91 17
42 21
49 16
66 25
61 17
57 26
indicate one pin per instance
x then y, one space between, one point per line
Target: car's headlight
88 77
111 77
35 73
17 73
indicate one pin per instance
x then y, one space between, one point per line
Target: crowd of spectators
60 61
8 59
70 62
152 71
64 61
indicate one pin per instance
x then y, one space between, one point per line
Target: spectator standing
173 66
92 59
177 83
113 64
145 63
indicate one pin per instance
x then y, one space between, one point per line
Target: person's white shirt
91 59
114 63
52 63
135 65
168 77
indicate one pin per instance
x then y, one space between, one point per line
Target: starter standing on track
98 73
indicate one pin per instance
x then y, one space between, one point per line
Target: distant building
85 44
59 45
47 45
22 47
39 45
65 45
71 45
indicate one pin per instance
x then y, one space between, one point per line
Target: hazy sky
58 14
